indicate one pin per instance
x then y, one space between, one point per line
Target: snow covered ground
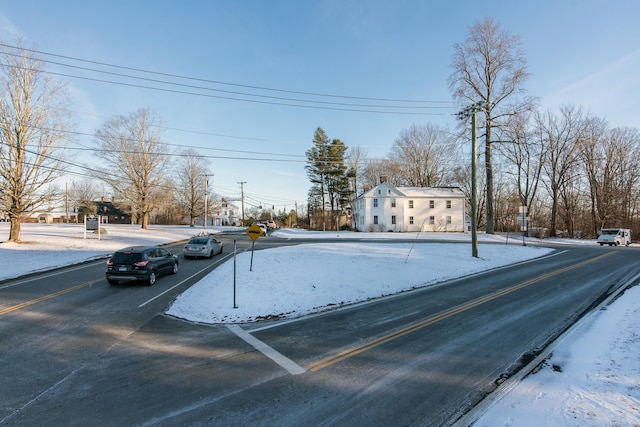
592 378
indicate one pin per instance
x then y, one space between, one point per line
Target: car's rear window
198 241
126 257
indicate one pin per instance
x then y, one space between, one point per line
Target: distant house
48 217
225 213
111 214
410 209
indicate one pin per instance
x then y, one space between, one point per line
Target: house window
432 204
379 191
410 204
410 220
375 203
448 219
375 219
393 219
448 204
393 203
432 220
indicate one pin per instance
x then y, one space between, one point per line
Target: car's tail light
109 263
141 263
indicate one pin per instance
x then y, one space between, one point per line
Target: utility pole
206 198
242 198
463 115
66 202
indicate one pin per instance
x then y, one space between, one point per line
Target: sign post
254 232
523 221
234 274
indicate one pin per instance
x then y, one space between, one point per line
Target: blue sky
585 52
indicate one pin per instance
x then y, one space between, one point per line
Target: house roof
431 191
417 192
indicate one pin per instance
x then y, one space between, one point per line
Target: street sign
92 224
254 232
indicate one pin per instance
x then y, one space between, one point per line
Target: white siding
364 211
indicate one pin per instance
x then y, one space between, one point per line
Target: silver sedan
201 246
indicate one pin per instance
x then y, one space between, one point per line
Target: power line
255 101
273 100
221 82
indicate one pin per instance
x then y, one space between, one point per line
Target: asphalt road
77 351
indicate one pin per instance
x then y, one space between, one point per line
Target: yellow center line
346 354
46 297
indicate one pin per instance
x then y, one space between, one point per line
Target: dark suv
141 264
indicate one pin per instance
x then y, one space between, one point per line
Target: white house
225 213
406 209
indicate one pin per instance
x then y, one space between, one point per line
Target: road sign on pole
254 232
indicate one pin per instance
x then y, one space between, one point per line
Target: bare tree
85 194
137 158
423 151
611 161
355 160
525 153
34 127
191 181
489 66
381 167
598 172
462 178
563 136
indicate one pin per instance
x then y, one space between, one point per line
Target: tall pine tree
327 172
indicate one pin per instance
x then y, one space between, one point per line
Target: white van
615 236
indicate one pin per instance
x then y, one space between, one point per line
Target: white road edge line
286 363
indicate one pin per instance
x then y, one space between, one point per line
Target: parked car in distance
202 246
271 225
140 264
263 227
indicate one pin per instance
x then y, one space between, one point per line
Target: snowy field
592 378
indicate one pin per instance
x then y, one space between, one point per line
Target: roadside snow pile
592 378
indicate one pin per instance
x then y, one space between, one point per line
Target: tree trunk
554 213
14 231
489 169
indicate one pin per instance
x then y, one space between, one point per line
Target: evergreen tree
327 172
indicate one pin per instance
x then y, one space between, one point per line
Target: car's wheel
152 279
211 254
174 270
112 282
601 244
